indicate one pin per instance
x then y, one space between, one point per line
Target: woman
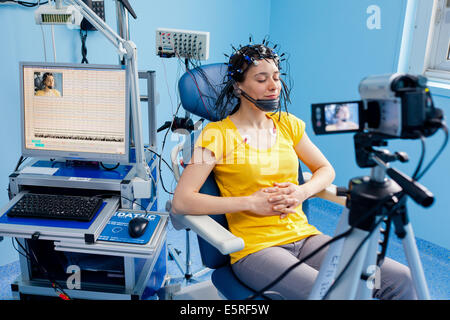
49 83
254 154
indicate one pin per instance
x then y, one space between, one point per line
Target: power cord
104 195
109 169
30 255
83 37
438 153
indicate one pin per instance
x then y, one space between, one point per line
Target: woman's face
49 82
262 82
343 113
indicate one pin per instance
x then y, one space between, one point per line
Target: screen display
75 111
341 117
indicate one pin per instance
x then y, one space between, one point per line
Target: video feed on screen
341 117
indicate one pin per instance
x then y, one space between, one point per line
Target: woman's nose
272 85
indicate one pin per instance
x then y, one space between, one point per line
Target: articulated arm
128 50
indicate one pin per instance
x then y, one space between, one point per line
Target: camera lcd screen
336 117
341 117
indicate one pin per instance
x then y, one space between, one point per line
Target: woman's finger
283 184
270 190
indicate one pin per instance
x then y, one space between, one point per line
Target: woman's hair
238 65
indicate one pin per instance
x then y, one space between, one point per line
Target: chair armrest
210 230
174 160
328 193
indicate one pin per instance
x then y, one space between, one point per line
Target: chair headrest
199 89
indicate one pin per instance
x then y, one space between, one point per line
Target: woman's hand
285 197
259 204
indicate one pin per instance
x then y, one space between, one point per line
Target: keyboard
49 206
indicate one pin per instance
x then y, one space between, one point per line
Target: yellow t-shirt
242 169
51 92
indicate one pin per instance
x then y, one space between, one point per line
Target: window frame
437 57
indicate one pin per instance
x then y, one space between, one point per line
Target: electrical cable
422 156
43 43
109 169
30 255
19 162
186 65
102 195
444 144
159 156
83 46
167 84
43 35
159 163
24 254
53 43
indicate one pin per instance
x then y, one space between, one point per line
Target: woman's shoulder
285 118
217 125
216 129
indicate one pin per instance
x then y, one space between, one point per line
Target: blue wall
22 41
330 49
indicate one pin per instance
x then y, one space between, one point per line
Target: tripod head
378 160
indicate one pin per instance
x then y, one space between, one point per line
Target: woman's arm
188 200
322 172
286 195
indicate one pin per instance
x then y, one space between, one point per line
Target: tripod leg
338 254
348 284
188 255
412 255
370 277
328 267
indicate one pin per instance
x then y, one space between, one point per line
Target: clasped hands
281 199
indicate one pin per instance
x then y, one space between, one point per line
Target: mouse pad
116 230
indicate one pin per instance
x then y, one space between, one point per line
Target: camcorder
392 106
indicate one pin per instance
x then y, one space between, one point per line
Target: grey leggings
260 268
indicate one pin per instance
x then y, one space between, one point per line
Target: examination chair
215 241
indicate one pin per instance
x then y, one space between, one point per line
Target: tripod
354 257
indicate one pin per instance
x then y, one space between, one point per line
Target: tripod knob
402 156
341 191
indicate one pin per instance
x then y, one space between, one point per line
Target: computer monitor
75 112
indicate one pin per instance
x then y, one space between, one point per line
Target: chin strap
265 105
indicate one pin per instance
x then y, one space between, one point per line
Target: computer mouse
137 227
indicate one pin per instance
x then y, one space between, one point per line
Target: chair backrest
199 89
